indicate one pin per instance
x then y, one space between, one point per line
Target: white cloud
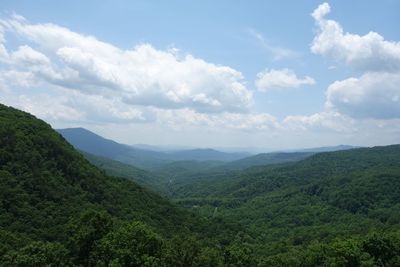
376 93
27 56
71 79
279 79
373 95
139 76
74 107
227 120
369 52
322 121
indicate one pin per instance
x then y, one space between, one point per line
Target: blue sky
208 73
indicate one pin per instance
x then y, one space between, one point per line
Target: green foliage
133 244
85 232
119 169
38 254
373 250
56 209
54 203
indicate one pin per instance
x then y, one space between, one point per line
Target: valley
70 207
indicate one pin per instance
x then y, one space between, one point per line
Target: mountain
116 168
56 209
266 159
325 149
329 209
92 143
326 196
206 155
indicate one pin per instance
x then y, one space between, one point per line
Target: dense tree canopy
56 209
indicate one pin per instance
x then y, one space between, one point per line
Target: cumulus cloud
369 52
280 79
322 121
373 95
139 76
226 120
376 93
75 107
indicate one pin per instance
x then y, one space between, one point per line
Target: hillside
330 209
266 159
59 210
92 143
323 197
116 168
326 149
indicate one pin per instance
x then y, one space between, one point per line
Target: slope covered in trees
57 209
116 168
290 206
266 159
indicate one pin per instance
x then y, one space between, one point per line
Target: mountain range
64 207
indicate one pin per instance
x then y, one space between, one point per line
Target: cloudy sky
264 74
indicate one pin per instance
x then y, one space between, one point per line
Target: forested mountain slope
116 168
326 196
266 159
92 143
57 209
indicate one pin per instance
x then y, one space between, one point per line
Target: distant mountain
148 159
92 143
266 159
161 148
206 154
325 149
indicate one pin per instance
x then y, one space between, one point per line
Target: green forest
64 207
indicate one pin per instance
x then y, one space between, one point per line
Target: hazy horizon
228 149
208 74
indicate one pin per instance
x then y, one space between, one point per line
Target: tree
133 244
85 232
38 254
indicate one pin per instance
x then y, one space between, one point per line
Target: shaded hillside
57 209
119 169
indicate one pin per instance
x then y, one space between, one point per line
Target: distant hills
322 197
153 158
90 142
324 149
266 159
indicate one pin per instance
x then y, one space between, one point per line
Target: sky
265 75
